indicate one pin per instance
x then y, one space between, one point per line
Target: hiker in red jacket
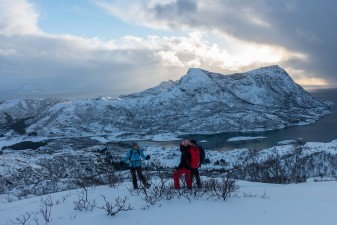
195 162
184 166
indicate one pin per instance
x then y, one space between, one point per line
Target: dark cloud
305 26
174 10
178 7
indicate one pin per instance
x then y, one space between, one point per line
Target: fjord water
323 130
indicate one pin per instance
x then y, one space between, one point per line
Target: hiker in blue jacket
133 158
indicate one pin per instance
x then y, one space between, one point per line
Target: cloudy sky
113 47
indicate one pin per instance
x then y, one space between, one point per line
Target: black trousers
140 175
195 173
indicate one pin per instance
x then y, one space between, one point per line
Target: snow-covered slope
200 102
63 164
264 204
60 164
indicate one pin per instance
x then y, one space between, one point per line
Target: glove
147 157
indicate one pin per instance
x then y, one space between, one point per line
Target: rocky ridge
200 102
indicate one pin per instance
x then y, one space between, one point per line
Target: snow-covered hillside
62 164
309 203
200 102
65 164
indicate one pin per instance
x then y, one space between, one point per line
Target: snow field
257 203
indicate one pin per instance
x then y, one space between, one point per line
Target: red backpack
195 156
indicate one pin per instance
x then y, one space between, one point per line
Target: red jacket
195 156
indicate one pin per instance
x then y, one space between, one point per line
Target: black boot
135 183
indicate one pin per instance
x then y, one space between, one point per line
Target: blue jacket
133 157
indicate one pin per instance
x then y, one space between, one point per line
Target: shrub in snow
119 205
108 164
82 203
45 208
293 164
221 188
22 219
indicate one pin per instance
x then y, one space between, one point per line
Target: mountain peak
273 67
196 71
272 70
194 77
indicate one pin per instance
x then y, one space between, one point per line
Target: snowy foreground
256 203
294 204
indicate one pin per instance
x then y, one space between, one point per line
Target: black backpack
131 152
202 154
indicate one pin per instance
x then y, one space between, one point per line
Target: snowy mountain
200 102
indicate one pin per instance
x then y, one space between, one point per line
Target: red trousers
178 173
